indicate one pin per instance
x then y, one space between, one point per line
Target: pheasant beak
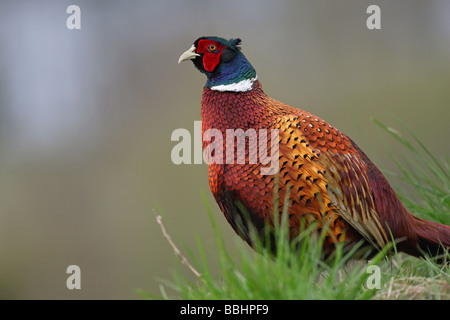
188 55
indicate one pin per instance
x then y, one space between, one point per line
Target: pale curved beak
188 55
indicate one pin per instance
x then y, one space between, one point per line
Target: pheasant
324 176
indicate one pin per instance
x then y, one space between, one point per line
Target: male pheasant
326 177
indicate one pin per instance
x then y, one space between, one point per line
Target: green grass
300 271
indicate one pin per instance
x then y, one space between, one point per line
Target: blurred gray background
86 118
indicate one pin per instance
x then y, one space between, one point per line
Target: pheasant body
322 173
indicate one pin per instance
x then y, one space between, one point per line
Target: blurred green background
86 118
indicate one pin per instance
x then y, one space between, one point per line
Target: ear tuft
236 42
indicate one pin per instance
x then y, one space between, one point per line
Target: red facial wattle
212 51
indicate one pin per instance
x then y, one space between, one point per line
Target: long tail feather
431 238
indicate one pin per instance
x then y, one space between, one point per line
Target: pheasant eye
212 47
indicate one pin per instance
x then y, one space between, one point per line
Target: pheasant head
222 61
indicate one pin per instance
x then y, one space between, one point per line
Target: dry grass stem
177 252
